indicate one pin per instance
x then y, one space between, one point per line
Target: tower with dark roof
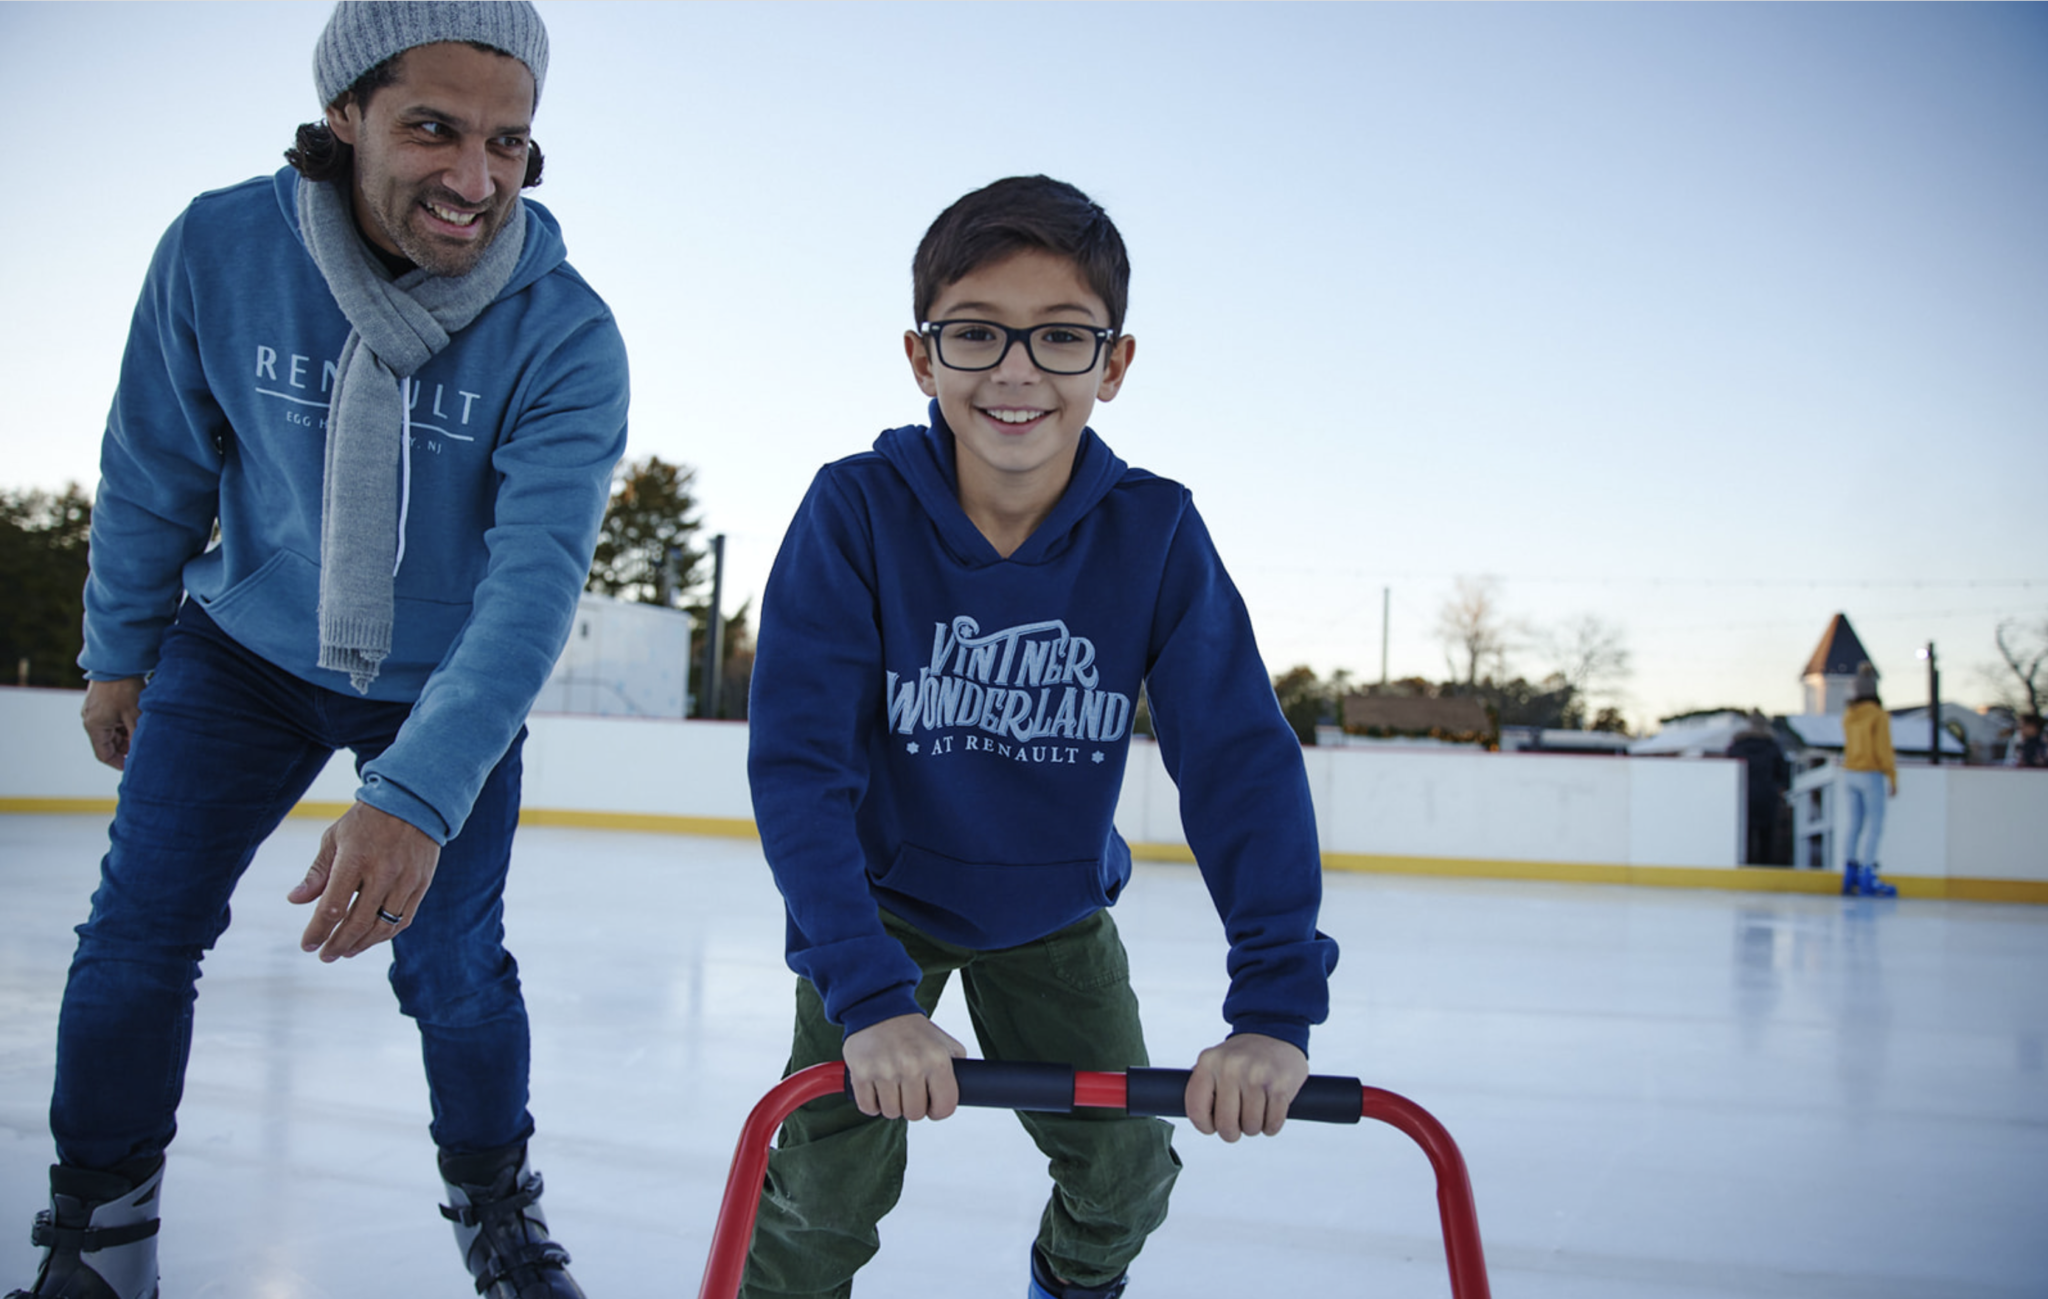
1831 672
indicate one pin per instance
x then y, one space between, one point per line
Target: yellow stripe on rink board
1179 852
1975 890
722 827
313 810
58 806
717 827
1754 879
1749 879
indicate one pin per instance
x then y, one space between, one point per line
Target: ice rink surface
1660 1094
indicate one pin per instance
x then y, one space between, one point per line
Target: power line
1811 583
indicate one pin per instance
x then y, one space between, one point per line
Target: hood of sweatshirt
543 252
928 460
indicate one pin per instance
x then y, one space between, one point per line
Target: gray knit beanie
364 33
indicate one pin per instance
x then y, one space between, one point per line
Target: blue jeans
226 744
1866 793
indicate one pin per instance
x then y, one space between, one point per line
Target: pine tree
43 544
643 549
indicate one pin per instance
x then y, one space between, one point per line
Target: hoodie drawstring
405 467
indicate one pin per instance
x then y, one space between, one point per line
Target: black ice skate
500 1229
99 1234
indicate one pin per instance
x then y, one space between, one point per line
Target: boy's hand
902 1068
1243 1086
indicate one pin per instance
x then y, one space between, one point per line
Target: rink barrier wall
1653 822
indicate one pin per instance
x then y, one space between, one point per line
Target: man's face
1017 425
440 153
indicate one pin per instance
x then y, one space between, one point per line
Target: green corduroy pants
835 1172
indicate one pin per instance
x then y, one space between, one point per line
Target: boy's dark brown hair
1015 214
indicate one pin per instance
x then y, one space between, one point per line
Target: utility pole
714 660
1934 727
1386 609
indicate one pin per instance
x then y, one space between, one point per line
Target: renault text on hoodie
221 413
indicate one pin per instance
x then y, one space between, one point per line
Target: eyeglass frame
929 330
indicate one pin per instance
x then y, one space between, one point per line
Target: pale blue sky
1709 320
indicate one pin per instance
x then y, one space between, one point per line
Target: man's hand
369 861
902 1068
110 713
1243 1086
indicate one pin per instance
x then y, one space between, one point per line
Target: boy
952 640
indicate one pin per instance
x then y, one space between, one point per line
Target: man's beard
446 258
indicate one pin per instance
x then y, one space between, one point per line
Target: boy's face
1016 426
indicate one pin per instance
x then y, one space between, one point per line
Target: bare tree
1589 654
2024 651
1474 630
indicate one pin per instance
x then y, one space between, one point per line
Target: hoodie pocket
295 585
1002 904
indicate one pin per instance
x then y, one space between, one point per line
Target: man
350 486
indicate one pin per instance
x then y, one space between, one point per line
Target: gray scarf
396 327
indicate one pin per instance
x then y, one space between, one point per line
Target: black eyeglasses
982 345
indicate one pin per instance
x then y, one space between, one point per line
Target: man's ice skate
99 1234
495 1206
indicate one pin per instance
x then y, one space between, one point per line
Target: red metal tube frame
734 1233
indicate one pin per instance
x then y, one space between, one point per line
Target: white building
623 660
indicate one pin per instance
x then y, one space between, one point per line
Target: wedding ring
388 918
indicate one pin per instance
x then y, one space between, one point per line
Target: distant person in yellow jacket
1872 775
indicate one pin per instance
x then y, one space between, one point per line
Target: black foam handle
1323 1098
1011 1085
1015 1085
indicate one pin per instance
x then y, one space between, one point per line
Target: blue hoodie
942 730
221 414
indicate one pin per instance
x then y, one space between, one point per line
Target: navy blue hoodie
942 730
